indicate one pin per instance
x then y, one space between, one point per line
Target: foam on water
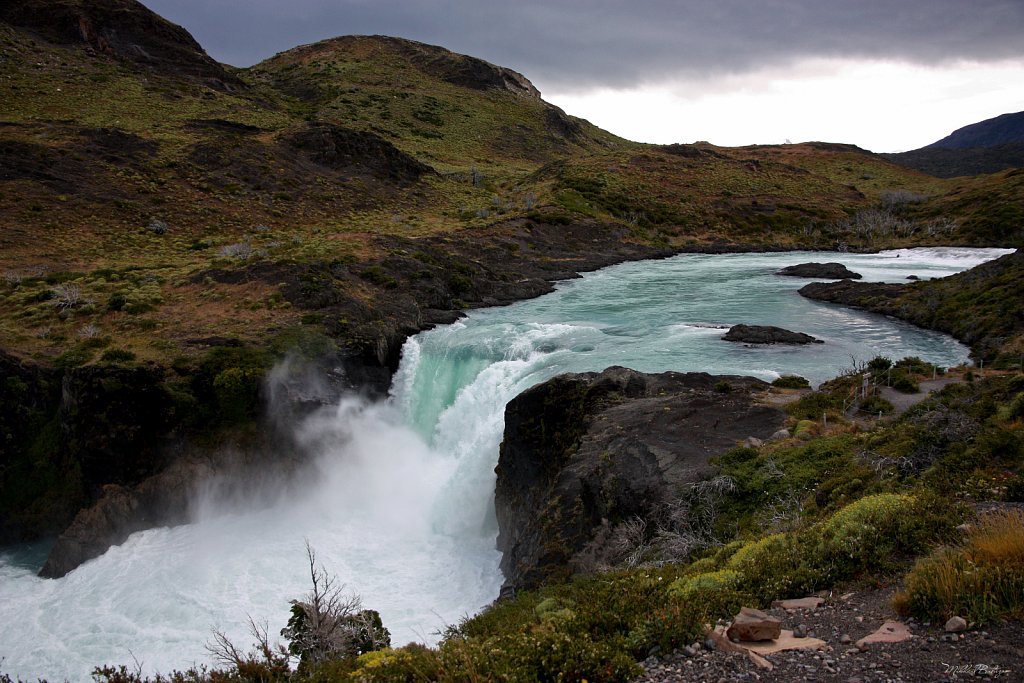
399 504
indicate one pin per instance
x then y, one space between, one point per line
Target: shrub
378 276
685 587
982 581
117 356
408 664
116 301
723 387
879 363
538 655
237 393
811 406
905 384
791 382
876 404
75 357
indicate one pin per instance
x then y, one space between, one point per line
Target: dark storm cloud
583 43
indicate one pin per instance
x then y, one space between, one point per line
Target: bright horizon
880 75
879 106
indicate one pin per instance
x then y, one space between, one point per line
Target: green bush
237 393
116 301
791 382
814 404
75 357
117 356
879 363
686 586
409 664
876 404
378 276
905 384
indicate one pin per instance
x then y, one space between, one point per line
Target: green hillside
131 177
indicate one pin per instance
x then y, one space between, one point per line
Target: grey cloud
581 44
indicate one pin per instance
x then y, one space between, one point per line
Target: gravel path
904 402
995 653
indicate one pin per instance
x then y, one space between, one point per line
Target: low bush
905 384
875 405
791 382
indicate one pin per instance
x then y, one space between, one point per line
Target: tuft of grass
981 580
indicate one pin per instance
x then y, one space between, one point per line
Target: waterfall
398 503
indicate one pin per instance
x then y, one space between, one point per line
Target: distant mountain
1001 130
989 146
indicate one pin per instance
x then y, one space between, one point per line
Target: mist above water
398 497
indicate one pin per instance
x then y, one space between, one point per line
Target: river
401 505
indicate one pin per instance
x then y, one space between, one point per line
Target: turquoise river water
401 504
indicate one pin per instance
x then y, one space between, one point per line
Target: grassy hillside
131 179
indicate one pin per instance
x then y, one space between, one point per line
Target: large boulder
827 271
584 453
767 334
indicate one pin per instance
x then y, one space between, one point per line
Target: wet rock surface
584 452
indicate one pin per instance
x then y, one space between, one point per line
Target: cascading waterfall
400 503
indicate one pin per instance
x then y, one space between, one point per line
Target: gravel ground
994 653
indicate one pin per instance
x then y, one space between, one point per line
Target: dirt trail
903 402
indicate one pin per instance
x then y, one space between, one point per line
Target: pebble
956 625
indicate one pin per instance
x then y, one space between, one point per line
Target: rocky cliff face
123 29
583 453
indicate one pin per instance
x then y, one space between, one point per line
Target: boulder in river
767 334
827 271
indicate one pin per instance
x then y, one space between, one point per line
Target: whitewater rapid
400 502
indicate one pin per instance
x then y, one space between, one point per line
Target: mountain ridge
988 146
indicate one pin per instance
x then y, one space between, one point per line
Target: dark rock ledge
766 334
827 271
584 452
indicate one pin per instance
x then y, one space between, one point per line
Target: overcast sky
887 75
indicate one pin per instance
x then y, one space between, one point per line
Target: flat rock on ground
994 653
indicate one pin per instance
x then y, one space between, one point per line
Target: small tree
330 624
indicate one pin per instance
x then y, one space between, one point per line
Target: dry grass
982 580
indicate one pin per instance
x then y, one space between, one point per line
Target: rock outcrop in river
827 271
767 334
584 452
